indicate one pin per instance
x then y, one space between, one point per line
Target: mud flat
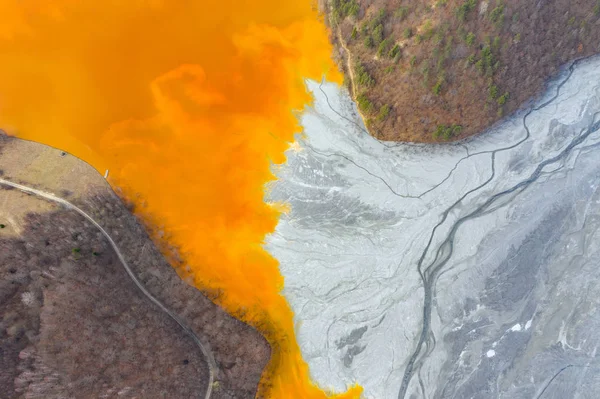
448 271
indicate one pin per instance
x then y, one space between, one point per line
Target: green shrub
383 46
378 34
493 91
479 66
354 34
390 69
364 104
447 132
345 8
465 9
439 36
497 15
408 33
503 98
456 130
364 29
384 111
461 32
401 13
353 9
378 19
363 77
597 8
394 51
487 63
428 30
517 37
487 56
448 47
425 72
413 61
437 88
369 42
439 66
496 43
470 39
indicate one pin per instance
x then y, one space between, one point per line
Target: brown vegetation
72 323
443 70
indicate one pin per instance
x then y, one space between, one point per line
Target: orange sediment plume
187 103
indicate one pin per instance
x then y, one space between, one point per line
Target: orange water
187 103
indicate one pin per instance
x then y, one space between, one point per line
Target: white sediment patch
362 212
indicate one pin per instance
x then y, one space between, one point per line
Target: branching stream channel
435 256
430 272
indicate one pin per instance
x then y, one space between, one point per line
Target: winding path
348 63
212 366
354 90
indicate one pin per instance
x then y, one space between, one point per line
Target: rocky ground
73 323
426 71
